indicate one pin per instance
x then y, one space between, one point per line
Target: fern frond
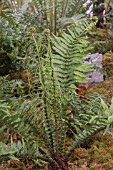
85 134
21 149
69 50
88 119
18 120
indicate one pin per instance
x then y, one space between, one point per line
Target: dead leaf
82 88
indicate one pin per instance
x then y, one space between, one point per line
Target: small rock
96 76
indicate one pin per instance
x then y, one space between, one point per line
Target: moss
104 88
80 153
107 64
102 166
98 157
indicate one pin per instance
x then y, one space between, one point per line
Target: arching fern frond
69 50
86 134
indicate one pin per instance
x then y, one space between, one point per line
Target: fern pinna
43 122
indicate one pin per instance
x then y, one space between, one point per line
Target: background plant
18 20
49 13
102 37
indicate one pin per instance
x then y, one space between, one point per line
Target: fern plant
43 121
54 14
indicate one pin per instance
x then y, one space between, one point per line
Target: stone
96 76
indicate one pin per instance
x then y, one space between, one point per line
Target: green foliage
5 10
12 88
103 37
17 49
58 13
69 50
46 14
10 46
43 121
17 26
